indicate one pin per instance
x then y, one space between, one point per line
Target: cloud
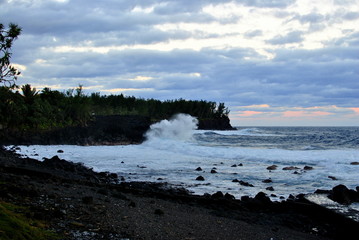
271 56
292 37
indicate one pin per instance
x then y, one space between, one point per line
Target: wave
179 127
238 132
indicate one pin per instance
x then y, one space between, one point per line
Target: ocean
235 162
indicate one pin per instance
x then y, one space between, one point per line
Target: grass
15 226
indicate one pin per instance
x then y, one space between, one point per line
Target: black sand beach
77 203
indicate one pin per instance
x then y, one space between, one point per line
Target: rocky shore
75 202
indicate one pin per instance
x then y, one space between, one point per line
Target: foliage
49 109
14 225
8 73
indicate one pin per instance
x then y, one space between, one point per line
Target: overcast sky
272 62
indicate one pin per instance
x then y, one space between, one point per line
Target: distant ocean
320 157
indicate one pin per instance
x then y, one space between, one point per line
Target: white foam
179 127
172 154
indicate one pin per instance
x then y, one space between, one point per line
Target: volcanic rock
273 167
290 168
200 178
267 180
343 195
246 184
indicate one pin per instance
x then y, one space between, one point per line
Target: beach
77 203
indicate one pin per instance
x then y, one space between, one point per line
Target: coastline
78 203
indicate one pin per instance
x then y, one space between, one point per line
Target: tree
8 73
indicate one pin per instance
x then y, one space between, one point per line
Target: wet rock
270 188
272 167
343 195
229 196
333 178
217 195
213 171
307 168
354 163
267 180
200 178
246 184
60 151
290 168
262 198
235 180
199 169
234 165
322 191
240 165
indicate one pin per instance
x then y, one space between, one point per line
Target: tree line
25 108
29 109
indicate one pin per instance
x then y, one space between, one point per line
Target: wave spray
179 127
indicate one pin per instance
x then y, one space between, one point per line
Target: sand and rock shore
77 203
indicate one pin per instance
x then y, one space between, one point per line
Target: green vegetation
50 109
8 73
15 226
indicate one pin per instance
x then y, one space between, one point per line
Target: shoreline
78 202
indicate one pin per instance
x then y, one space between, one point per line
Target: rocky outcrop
103 130
222 123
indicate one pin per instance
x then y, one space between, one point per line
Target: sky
272 62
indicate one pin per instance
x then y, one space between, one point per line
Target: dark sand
80 204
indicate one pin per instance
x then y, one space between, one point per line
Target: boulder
246 184
333 178
200 178
343 195
307 168
267 180
272 167
261 197
217 195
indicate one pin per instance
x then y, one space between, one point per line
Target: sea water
174 150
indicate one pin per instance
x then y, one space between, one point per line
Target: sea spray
179 127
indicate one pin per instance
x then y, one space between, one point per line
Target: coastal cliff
102 130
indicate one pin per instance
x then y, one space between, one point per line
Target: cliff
102 130
222 123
